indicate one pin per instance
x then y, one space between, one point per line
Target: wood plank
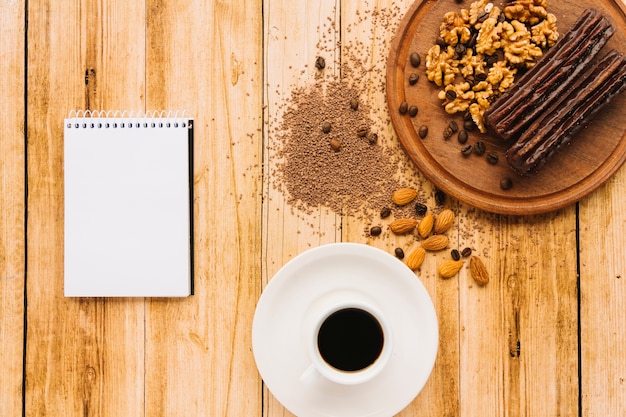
12 206
603 296
84 356
205 57
294 34
518 349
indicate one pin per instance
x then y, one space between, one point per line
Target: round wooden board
592 157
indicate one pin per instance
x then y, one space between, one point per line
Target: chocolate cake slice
590 94
551 78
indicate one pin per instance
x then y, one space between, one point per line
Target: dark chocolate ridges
551 77
590 94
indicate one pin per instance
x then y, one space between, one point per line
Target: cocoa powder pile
332 146
342 169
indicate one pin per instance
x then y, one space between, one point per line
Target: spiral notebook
128 205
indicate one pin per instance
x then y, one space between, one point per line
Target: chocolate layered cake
551 78
590 93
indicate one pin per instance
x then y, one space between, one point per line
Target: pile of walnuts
480 50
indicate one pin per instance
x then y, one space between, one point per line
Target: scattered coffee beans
415 59
413 79
404 107
420 209
423 131
385 212
375 231
440 197
320 63
506 183
480 148
399 253
469 125
451 95
467 252
326 127
413 111
454 127
492 158
467 150
462 137
455 254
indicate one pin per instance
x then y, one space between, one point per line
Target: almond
444 221
416 258
478 271
403 196
425 226
435 243
450 268
403 226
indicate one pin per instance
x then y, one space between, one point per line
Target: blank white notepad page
127 208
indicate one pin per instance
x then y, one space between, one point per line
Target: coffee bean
455 254
480 148
492 158
413 111
460 49
399 253
472 40
458 1
354 104
420 209
441 42
462 137
492 60
469 125
467 150
362 131
404 107
385 212
481 76
415 59
467 252
320 63
440 197
423 131
326 127
451 95
413 78
453 126
372 138
375 231
447 133
506 183
335 145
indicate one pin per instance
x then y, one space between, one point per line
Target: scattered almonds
416 258
435 243
404 196
425 226
478 271
450 268
403 226
444 221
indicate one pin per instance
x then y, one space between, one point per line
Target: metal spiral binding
98 119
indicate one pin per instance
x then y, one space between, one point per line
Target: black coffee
350 339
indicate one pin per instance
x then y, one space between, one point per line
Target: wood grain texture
84 356
12 206
205 57
603 294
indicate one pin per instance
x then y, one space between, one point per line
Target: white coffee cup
347 337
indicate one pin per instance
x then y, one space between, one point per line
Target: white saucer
280 348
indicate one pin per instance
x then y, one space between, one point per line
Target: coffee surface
350 339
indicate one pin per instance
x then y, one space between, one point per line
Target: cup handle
310 375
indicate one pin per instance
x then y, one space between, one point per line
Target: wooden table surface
545 337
